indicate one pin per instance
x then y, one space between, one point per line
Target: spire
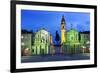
71 26
63 20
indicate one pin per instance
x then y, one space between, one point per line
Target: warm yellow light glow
63 36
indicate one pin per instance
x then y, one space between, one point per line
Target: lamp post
83 49
88 46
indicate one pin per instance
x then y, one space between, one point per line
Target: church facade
41 42
72 37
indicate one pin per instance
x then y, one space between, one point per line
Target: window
46 40
63 27
32 50
71 37
76 36
41 40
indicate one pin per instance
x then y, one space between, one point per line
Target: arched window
76 36
71 37
32 50
63 27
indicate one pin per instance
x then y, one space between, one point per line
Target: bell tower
63 23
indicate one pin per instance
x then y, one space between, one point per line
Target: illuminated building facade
72 37
41 43
26 42
84 37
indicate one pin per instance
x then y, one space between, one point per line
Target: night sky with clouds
51 20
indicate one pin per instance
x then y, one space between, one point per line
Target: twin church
41 42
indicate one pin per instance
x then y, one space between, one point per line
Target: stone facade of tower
63 30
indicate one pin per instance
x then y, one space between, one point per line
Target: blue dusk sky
51 20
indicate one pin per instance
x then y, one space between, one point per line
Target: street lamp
83 49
